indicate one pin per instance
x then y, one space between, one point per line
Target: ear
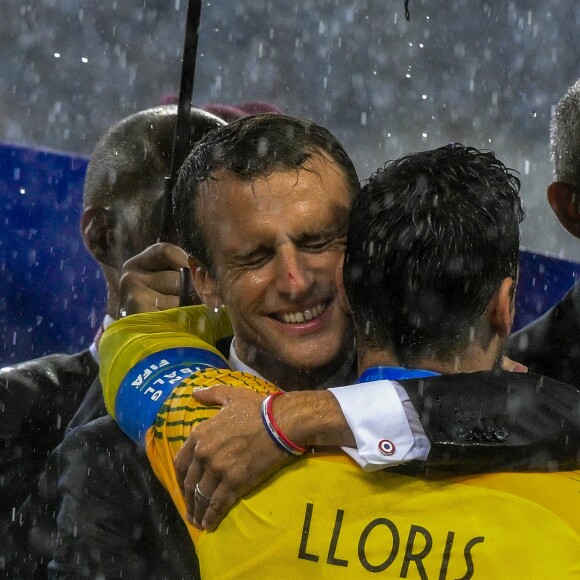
564 199
502 308
98 232
205 284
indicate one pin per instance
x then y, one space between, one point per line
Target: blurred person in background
551 344
45 398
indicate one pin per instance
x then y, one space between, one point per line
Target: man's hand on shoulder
228 455
507 364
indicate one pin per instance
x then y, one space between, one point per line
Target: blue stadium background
53 293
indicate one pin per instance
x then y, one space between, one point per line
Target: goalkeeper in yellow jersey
429 274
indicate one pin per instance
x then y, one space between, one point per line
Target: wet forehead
320 177
284 203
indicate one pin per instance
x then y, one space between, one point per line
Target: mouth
302 316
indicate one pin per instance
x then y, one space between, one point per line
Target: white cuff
385 425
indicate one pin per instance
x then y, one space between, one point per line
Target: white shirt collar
343 376
94 349
237 365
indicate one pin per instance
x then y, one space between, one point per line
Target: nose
294 277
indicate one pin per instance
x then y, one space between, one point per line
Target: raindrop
93 318
262 146
459 50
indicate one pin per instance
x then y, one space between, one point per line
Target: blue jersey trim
393 374
148 384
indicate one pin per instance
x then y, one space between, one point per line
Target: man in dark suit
550 345
43 399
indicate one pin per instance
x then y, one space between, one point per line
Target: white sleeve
385 425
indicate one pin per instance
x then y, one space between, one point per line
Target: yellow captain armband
145 356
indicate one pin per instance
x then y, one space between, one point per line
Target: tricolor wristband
274 431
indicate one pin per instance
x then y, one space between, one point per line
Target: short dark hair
431 237
251 147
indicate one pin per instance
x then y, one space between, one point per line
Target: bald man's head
125 182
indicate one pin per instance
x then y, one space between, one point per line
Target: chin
317 362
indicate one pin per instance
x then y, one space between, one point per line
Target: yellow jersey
322 516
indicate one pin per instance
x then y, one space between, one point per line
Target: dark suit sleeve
550 345
114 519
37 400
491 421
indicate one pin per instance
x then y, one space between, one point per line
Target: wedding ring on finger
202 495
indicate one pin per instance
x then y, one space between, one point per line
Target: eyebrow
331 232
251 252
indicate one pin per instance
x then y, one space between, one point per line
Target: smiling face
275 243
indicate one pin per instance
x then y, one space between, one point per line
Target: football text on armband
412 547
149 382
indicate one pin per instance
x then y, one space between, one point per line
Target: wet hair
431 237
253 147
565 137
